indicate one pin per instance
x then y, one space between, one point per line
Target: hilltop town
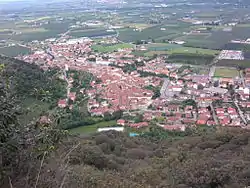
173 96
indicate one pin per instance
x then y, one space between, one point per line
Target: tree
216 84
138 42
200 87
117 114
157 93
138 118
107 116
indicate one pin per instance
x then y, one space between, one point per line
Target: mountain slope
26 77
35 91
199 160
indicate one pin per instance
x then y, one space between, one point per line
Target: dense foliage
21 145
198 159
30 81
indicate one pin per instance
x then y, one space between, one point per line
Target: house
233 115
119 129
221 115
97 112
188 115
180 82
219 110
231 110
202 110
173 75
175 127
188 121
201 121
121 122
188 107
211 122
72 96
175 88
173 108
225 121
236 122
82 91
44 120
138 125
172 118
71 107
62 103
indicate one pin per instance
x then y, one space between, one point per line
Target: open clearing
170 49
92 128
14 51
111 48
226 72
234 63
190 50
137 25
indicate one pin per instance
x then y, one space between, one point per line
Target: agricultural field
218 39
25 32
162 46
157 33
234 63
13 51
203 71
99 32
226 72
237 46
137 25
189 50
170 49
192 59
151 53
92 128
110 48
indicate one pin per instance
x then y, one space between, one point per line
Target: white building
119 129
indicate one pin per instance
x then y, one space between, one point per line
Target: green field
217 38
26 33
14 51
110 48
226 73
162 46
170 49
137 25
92 128
154 32
152 53
98 32
189 58
189 50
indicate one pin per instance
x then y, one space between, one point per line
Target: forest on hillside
198 160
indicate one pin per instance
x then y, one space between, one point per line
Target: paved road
211 71
242 79
213 62
240 112
214 115
164 88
